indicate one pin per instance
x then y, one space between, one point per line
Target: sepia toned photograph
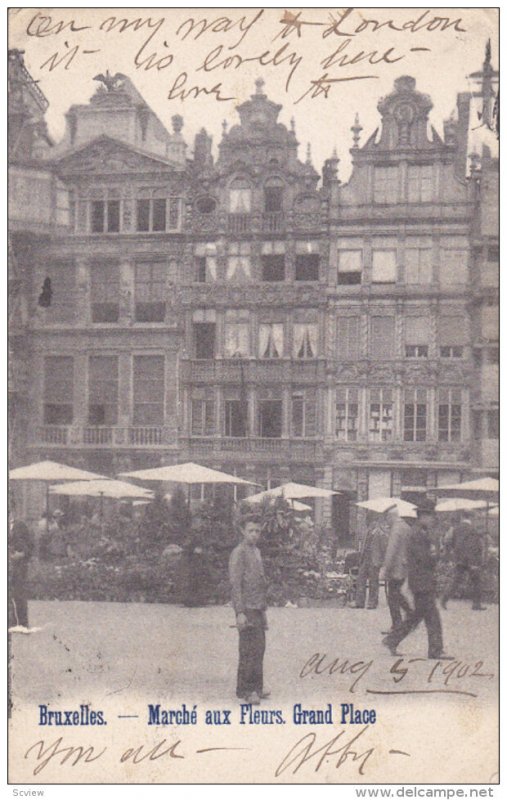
253 395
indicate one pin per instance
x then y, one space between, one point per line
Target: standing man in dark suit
421 562
395 569
467 548
20 551
373 550
248 583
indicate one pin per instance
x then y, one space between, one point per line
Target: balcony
239 223
205 223
257 447
257 371
104 436
273 222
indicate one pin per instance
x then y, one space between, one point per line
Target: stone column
127 290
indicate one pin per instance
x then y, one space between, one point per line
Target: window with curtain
451 335
237 333
418 266
149 390
414 415
105 292
347 338
417 334
380 428
449 415
383 266
305 339
271 340
239 266
346 414
240 197
490 323
58 390
382 332
350 267
386 185
103 390
304 419
206 262
420 183
150 291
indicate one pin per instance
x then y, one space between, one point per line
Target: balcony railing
230 370
239 223
105 436
273 221
257 446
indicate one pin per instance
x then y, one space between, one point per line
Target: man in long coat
467 549
395 569
373 549
421 563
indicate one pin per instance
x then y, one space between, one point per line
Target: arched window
240 197
273 195
206 205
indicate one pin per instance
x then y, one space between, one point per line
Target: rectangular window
386 185
271 340
238 262
204 339
103 390
58 390
420 183
149 389
382 330
237 333
304 420
347 338
449 415
63 287
350 267
105 216
417 333
174 213
380 428
346 414
493 424
150 291
305 339
273 261
105 292
270 419
206 262
236 414
414 425
418 268
451 333
453 266
490 323
383 266
240 201
307 267
203 417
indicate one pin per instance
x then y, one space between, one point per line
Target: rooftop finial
293 125
334 154
356 130
259 85
224 126
308 153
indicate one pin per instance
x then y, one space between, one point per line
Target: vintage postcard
253 395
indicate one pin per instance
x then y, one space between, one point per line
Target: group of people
398 552
394 549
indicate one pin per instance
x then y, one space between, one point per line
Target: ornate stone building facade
249 314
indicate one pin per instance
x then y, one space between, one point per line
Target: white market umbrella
481 489
297 505
189 473
460 504
49 471
382 504
494 512
118 490
292 491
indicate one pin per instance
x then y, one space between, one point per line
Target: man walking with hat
421 563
